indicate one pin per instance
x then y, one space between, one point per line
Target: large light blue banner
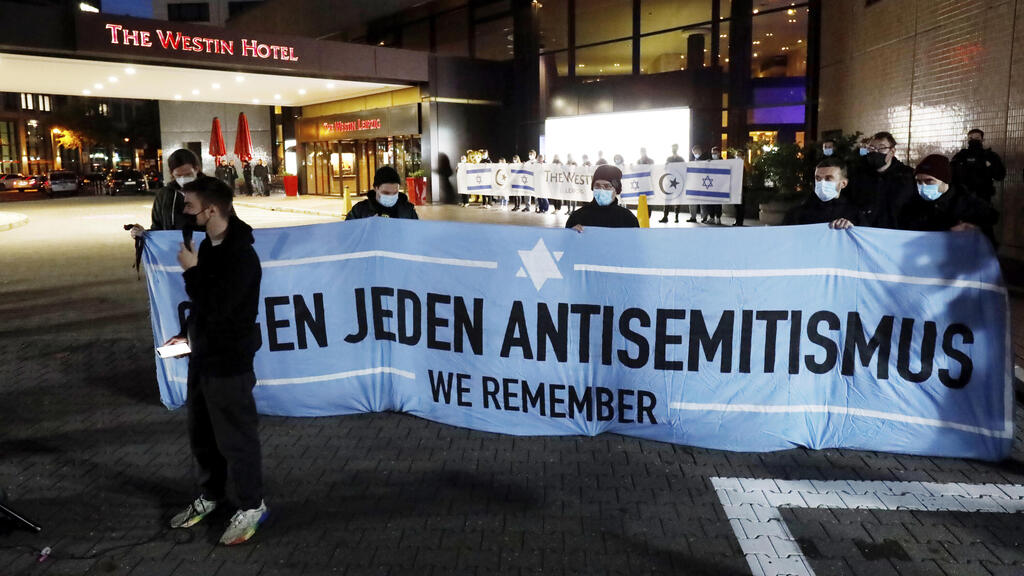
748 339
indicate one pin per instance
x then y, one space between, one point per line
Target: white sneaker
195 512
243 525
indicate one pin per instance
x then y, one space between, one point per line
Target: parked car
126 181
36 182
155 179
12 182
62 182
95 182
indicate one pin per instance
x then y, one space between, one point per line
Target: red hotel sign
176 41
352 126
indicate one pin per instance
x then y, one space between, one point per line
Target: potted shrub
785 170
416 187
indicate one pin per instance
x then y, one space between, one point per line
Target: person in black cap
384 200
941 204
604 210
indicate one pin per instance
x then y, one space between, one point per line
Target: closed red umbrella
243 140
217 148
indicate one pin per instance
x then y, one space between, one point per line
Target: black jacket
976 169
224 289
168 208
952 208
880 196
814 211
610 216
370 207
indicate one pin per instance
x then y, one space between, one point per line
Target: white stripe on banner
323 378
358 255
841 411
795 272
337 376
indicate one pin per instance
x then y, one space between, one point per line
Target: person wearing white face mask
169 203
827 203
604 211
384 200
941 204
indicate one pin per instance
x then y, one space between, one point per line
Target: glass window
780 44
27 102
494 39
555 64
553 23
612 59
600 20
658 15
668 52
766 5
8 162
485 11
416 36
723 45
189 12
453 33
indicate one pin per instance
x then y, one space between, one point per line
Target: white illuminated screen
622 133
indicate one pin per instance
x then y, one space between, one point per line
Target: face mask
827 151
929 192
974 144
603 197
863 151
190 224
716 156
875 160
387 200
826 190
182 180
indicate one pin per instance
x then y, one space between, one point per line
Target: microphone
186 237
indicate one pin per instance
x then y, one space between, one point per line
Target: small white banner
700 182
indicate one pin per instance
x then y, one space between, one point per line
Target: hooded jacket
610 216
224 289
370 207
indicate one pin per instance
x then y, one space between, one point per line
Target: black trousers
223 432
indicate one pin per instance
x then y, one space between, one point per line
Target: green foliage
785 172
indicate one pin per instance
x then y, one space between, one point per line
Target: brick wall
928 71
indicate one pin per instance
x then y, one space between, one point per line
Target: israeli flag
522 180
479 179
636 182
706 182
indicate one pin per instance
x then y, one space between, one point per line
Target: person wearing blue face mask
828 148
384 200
604 210
826 203
940 204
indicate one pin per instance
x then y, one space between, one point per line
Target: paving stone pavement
88 452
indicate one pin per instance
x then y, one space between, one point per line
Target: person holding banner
828 204
168 203
222 280
941 204
384 200
604 210
675 157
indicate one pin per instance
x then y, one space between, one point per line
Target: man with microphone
222 279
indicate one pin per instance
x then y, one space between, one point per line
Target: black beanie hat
609 173
386 175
